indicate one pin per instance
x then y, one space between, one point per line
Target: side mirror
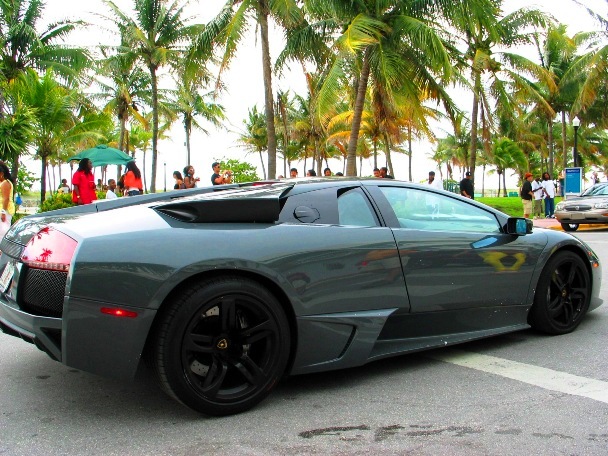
518 226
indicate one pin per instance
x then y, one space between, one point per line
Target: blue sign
573 182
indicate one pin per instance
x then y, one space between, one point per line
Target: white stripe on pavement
533 375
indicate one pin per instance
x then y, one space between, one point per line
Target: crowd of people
534 191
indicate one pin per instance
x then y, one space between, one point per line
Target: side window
317 206
423 210
354 209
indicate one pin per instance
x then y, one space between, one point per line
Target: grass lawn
510 205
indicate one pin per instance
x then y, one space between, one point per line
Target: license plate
7 276
577 216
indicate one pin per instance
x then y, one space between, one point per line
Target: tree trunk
188 129
498 172
550 141
504 185
351 153
474 114
564 144
387 152
262 161
262 10
409 150
152 69
43 179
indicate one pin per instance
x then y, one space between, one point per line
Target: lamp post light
575 123
165 173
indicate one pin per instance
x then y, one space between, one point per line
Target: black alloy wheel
222 346
562 296
569 226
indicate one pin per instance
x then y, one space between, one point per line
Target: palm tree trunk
262 10
504 185
498 183
564 146
262 161
474 115
188 129
550 141
351 153
409 150
152 69
43 179
387 152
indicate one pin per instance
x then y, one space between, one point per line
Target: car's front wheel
221 346
570 226
562 295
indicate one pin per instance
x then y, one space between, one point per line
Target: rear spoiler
258 204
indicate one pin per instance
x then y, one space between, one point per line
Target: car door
346 259
455 255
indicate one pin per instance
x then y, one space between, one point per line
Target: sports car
591 207
223 291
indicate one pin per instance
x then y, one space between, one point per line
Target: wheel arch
266 282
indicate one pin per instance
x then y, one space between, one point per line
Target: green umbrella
103 155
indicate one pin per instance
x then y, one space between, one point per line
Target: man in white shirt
432 182
432 201
111 187
549 191
539 194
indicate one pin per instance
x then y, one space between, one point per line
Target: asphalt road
519 394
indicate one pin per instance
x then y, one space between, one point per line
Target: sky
245 89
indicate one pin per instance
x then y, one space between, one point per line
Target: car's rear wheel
222 345
562 295
570 226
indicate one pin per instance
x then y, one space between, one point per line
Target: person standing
327 172
179 181
189 179
64 187
433 182
83 183
376 172
6 193
133 184
539 194
384 173
293 173
466 186
110 192
527 195
549 191
219 178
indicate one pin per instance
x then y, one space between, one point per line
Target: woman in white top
6 198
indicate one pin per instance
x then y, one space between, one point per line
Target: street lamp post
165 167
575 123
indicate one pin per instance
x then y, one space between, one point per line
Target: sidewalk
552 224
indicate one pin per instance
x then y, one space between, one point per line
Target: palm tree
228 29
255 138
57 123
125 87
189 103
23 46
393 43
484 33
157 35
507 154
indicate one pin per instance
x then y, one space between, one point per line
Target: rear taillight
49 249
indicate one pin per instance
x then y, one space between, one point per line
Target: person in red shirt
83 183
133 184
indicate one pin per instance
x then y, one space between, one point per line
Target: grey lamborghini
223 291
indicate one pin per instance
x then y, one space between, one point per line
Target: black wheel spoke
250 370
215 378
256 333
572 274
198 343
228 314
557 281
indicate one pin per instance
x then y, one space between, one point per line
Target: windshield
596 190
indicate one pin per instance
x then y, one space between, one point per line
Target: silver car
590 207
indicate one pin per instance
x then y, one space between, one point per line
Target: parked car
590 207
224 291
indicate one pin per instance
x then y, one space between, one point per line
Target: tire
570 226
562 295
221 346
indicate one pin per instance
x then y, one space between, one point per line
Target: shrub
57 201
